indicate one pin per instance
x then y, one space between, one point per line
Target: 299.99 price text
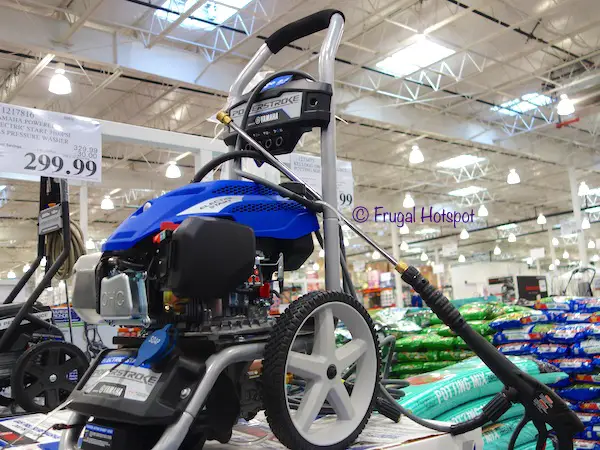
56 165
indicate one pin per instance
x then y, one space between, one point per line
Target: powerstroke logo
124 374
266 105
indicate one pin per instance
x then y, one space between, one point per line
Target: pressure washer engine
198 269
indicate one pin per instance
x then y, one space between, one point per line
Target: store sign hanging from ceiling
50 144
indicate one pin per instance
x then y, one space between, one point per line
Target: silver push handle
279 39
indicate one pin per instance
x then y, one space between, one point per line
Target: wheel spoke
53 357
350 353
52 398
35 370
34 389
324 339
340 401
306 366
312 402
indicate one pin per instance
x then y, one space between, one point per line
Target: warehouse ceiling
475 77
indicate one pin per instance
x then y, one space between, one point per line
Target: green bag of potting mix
435 393
472 409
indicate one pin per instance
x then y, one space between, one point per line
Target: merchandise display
270 225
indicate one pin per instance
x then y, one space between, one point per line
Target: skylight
208 14
418 55
471 190
427 231
460 161
520 105
508 226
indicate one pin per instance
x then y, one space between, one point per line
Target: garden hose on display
542 406
54 247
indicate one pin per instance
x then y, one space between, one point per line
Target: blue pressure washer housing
256 206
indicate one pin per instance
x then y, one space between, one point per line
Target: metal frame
176 433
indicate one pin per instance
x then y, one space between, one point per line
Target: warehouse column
552 250
83 211
396 255
577 213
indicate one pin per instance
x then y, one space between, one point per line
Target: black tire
35 369
274 369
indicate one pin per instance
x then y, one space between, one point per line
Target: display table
380 433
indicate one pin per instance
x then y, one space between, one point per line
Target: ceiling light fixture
565 106
376 255
565 255
555 242
316 266
595 258
424 257
583 189
107 203
416 155
404 246
404 229
482 211
89 245
557 262
43 262
585 224
591 244
541 220
26 268
497 250
59 83
321 253
551 267
346 242
529 261
464 234
408 202
513 177
11 275
512 237
173 170
461 259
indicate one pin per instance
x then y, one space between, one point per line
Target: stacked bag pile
564 332
424 343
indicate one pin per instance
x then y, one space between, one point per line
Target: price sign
308 168
44 143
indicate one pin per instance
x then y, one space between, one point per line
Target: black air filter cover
210 257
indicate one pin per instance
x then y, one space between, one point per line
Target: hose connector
223 117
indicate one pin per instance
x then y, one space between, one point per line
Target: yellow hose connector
223 117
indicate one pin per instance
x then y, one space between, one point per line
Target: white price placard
450 249
51 144
537 253
308 168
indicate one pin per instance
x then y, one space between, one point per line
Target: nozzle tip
223 117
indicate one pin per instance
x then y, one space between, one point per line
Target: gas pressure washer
195 268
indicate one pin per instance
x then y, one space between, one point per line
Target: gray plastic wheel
317 366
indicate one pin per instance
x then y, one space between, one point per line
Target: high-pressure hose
54 247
